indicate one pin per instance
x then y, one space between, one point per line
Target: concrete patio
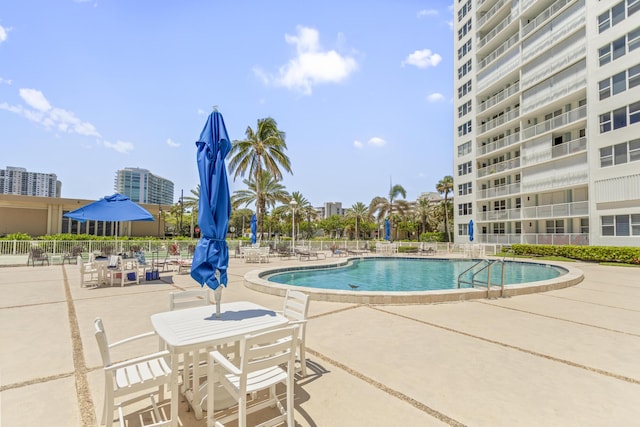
568 357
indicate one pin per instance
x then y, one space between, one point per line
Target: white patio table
193 329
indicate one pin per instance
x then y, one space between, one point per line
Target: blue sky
362 88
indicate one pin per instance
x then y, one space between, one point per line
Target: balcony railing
499 143
546 14
499 167
569 147
557 179
556 210
555 122
490 13
581 239
554 92
499 51
503 215
498 71
508 116
553 65
552 38
499 97
501 191
491 34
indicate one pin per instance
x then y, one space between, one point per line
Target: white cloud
3 34
5 81
422 59
35 98
378 142
358 144
427 12
311 66
201 112
119 146
172 143
435 97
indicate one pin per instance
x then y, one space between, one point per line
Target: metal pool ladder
478 268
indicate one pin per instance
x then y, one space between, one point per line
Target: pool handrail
469 269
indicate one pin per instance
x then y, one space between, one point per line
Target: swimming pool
412 274
388 279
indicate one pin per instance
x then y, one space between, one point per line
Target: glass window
620 118
607 226
634 75
635 224
634 150
622 225
549 226
634 113
632 6
604 54
633 39
619 48
619 82
620 153
605 122
584 225
604 88
617 13
603 22
606 157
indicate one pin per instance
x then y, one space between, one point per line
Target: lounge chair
37 254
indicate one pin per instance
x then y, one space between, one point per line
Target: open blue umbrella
387 229
470 230
211 256
254 227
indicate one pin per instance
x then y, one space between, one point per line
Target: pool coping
253 280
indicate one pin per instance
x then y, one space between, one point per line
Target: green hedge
621 254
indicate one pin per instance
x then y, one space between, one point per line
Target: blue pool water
409 274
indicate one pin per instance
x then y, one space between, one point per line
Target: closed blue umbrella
387 229
211 256
470 230
254 227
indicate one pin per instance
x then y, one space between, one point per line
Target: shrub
620 254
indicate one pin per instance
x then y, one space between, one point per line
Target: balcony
499 143
555 122
553 65
500 120
502 191
546 14
497 71
491 34
557 179
580 239
491 13
499 51
542 45
499 97
561 150
553 93
499 167
557 210
503 215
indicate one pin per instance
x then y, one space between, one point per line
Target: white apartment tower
547 113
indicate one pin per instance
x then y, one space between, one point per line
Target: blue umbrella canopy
387 229
211 256
254 227
116 207
470 230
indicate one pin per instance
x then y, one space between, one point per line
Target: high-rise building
142 186
547 121
22 183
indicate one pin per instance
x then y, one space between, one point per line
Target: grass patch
508 255
619 264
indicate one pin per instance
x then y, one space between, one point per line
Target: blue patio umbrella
254 227
211 256
387 229
470 230
114 208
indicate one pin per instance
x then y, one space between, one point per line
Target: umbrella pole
217 296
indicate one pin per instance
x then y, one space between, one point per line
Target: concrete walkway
569 357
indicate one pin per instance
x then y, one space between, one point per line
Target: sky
362 89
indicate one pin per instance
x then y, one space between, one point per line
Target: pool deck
567 357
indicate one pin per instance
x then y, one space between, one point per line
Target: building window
634 150
465 209
584 225
555 226
620 153
604 21
604 89
464 149
605 122
634 113
464 189
463 229
606 157
621 225
620 117
619 82
634 75
464 168
498 228
604 54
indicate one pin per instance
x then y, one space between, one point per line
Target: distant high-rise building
142 186
329 209
547 119
22 183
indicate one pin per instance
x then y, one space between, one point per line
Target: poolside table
198 328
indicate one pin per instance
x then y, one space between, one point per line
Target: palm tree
263 150
191 204
383 208
444 186
358 211
270 193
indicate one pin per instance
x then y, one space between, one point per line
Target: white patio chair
126 271
261 359
131 380
296 308
89 273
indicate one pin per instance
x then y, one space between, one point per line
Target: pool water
409 274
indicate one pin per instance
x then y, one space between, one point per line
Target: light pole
159 218
293 205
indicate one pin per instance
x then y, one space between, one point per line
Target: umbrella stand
217 296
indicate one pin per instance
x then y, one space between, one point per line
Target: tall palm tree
445 186
360 212
270 192
191 204
382 207
262 150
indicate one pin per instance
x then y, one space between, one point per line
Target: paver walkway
563 358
